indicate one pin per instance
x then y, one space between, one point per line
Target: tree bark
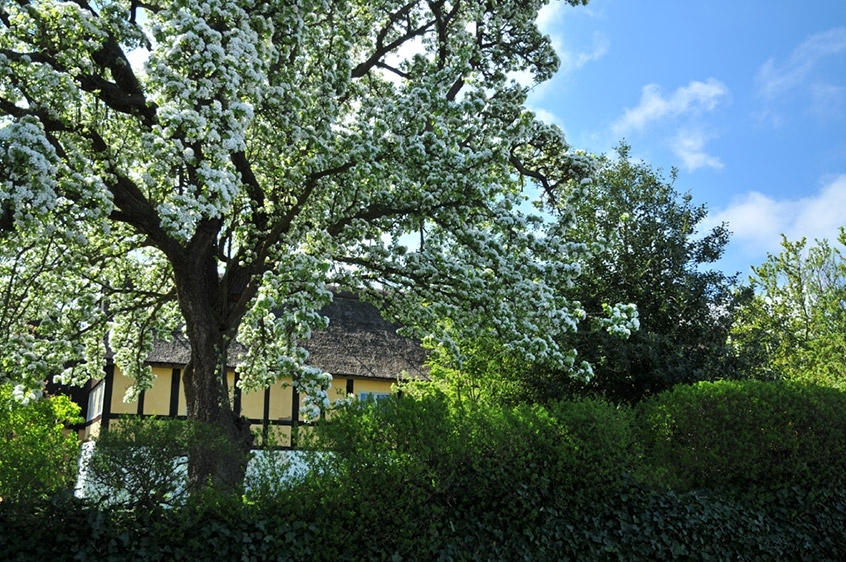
220 452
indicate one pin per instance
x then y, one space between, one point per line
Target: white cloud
819 217
546 116
775 79
550 16
679 110
696 97
550 21
574 60
828 100
689 146
757 220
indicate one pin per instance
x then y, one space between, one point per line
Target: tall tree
795 326
219 163
643 246
656 255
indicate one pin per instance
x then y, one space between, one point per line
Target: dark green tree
645 246
655 256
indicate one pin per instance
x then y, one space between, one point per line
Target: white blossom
266 139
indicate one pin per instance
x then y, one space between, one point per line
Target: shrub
427 477
606 444
739 434
38 455
143 461
415 471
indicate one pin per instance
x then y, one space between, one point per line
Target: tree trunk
220 451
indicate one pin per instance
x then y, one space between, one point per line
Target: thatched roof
357 343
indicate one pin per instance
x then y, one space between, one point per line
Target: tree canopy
795 326
644 245
655 253
217 165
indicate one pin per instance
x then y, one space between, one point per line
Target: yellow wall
252 404
281 403
373 386
119 386
157 401
338 389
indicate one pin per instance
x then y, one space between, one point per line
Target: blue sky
747 98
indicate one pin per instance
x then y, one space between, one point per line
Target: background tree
655 255
795 326
645 249
37 455
264 151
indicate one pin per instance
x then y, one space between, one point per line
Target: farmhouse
361 350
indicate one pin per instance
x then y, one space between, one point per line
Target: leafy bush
700 525
739 434
37 454
411 470
427 477
639 525
142 461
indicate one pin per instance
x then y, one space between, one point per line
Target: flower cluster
28 170
621 320
282 315
313 384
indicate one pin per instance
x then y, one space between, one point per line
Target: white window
95 401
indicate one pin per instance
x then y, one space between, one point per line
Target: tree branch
382 49
548 188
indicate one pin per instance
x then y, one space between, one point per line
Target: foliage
645 525
795 327
645 248
217 165
413 469
428 477
747 435
38 455
656 257
433 432
143 461
640 526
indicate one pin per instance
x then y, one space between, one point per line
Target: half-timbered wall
272 412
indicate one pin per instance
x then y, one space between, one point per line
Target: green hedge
745 434
725 471
640 525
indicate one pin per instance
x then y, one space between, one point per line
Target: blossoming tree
218 164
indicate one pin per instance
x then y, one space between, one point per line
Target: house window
95 402
373 395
